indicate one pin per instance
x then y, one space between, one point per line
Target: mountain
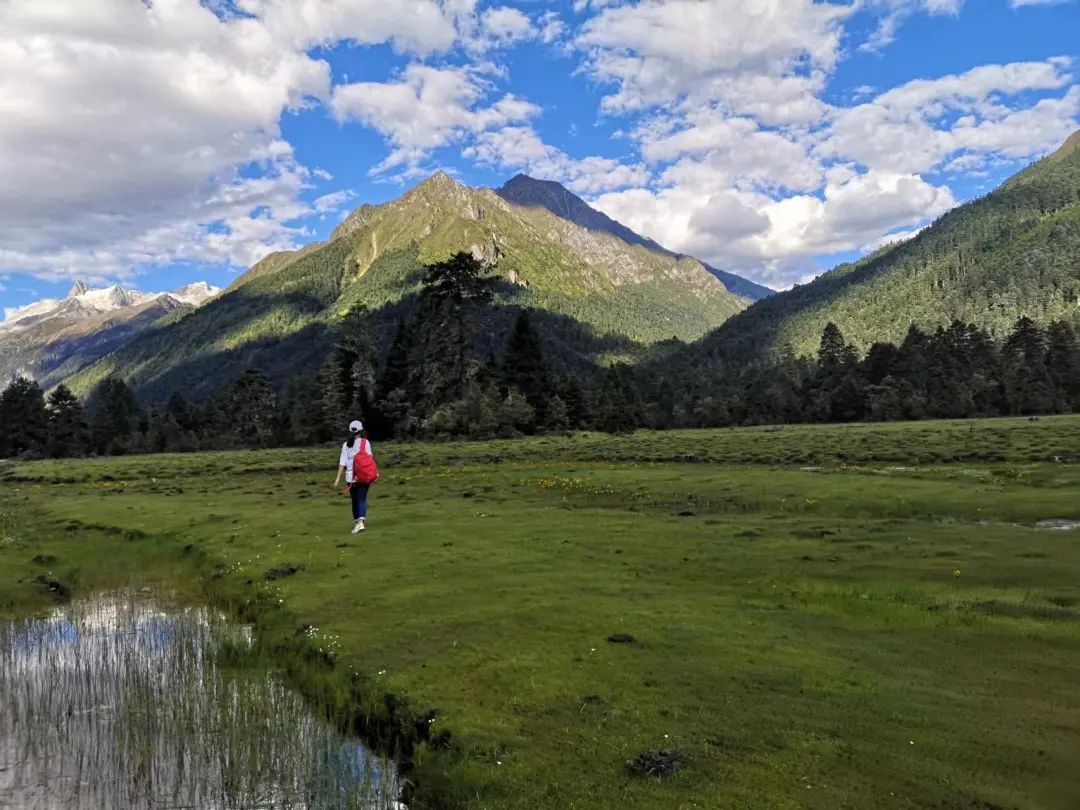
530 192
1013 253
53 338
281 313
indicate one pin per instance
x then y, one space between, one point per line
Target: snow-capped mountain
50 339
83 302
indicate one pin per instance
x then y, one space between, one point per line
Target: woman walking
358 464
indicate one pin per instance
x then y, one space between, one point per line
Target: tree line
445 374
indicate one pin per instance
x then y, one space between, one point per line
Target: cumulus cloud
505 25
746 230
139 133
655 51
426 108
522 148
919 125
752 169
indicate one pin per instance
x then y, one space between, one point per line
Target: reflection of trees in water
115 703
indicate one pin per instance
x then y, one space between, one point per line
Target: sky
159 142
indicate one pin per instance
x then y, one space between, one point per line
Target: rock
621 638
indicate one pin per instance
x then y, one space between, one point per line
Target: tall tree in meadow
68 430
114 416
838 390
1028 386
453 293
251 408
1063 363
524 367
23 419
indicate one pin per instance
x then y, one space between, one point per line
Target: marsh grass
114 702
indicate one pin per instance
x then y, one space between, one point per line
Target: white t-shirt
349 453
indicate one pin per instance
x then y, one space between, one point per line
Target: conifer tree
524 367
251 408
23 419
1028 387
68 432
114 416
1063 363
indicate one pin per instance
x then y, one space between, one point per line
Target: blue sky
166 142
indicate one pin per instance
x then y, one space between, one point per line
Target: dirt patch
282 571
621 638
655 764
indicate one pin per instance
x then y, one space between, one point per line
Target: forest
442 378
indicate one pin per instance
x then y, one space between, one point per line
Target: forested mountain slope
595 288
1013 253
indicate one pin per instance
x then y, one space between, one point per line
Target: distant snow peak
83 302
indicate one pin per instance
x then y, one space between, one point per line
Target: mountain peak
438 181
77 289
1072 144
521 189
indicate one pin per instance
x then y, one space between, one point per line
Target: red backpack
364 469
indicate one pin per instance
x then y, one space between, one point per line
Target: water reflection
116 703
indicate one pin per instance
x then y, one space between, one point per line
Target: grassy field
822 617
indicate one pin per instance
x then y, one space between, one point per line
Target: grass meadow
812 617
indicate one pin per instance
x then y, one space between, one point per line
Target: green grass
825 617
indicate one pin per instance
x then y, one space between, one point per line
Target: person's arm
342 461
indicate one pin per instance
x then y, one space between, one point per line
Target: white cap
356 426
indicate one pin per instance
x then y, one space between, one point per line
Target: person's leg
355 496
362 513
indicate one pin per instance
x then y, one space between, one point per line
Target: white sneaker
359 527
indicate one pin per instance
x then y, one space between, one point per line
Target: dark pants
358 493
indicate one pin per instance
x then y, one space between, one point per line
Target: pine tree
1063 363
68 431
114 415
1028 386
252 409
524 367
23 419
516 414
459 279
834 352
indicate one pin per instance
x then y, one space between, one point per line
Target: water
1058 524
117 703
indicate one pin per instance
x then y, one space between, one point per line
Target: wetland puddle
1058 525
116 703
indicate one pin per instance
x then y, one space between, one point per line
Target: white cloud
552 28
426 108
919 125
896 11
659 51
140 132
334 201
1022 3
521 148
505 25
411 26
744 230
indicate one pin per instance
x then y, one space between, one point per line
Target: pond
118 702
